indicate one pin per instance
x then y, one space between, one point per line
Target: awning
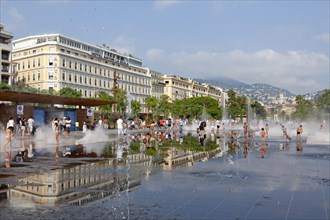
49 99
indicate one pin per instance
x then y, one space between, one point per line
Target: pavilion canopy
23 97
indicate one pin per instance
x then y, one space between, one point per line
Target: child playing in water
262 134
267 129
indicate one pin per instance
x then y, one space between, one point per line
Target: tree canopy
69 92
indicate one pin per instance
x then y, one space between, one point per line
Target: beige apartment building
54 61
177 87
5 59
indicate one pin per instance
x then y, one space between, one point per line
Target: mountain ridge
228 83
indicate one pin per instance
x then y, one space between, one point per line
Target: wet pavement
100 180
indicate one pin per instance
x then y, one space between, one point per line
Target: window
90 81
63 75
38 75
75 65
95 82
33 63
50 75
28 76
85 67
38 61
80 79
70 64
28 64
70 77
33 76
63 62
75 78
80 66
85 80
23 65
51 60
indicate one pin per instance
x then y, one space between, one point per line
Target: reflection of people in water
8 138
56 152
299 147
8 157
262 150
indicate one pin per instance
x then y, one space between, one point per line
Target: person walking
23 126
30 123
67 125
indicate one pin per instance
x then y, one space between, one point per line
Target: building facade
177 87
6 53
53 61
157 84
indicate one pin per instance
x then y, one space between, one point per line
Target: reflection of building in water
177 158
141 159
75 185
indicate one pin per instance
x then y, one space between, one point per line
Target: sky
281 43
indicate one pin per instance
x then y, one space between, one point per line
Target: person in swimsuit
262 134
299 132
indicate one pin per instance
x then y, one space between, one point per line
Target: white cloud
124 44
297 71
163 4
323 37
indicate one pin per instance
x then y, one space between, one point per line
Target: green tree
236 105
323 102
69 92
136 108
164 106
260 110
304 108
151 103
4 86
178 108
105 109
122 101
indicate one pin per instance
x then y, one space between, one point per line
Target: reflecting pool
146 176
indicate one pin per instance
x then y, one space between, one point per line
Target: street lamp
115 78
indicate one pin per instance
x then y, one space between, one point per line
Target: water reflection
123 164
75 185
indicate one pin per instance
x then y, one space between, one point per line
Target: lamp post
115 78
